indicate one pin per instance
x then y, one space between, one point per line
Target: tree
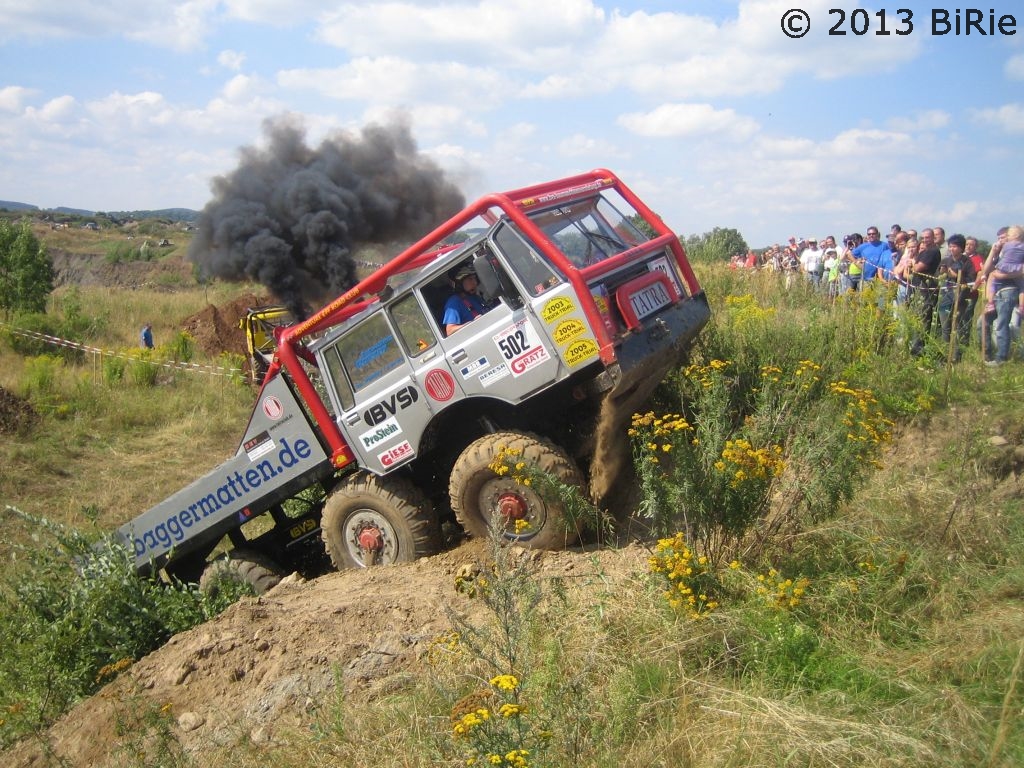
26 272
720 244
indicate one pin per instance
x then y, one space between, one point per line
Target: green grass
902 648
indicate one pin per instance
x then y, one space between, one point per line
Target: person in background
875 256
854 267
902 270
957 296
831 265
1009 268
940 241
923 294
146 337
1005 289
811 262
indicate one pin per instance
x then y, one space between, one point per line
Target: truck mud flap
644 359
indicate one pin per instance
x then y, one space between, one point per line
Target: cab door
503 353
381 406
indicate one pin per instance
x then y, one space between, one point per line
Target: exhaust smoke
291 217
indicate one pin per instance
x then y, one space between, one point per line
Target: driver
465 305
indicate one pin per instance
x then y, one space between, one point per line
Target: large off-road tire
482 498
370 520
241 566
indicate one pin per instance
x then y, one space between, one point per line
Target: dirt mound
217 329
268 664
16 414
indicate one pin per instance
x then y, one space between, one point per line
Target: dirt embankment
97 270
268 664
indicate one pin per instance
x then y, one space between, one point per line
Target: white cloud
929 120
957 216
689 120
1008 118
859 143
164 23
397 81
526 33
1015 67
242 88
58 109
12 98
583 146
232 60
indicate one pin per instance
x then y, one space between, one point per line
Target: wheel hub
369 538
512 506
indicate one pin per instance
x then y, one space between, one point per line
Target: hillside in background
170 214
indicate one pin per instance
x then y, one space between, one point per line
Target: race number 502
514 344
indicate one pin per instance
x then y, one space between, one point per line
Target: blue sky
706 109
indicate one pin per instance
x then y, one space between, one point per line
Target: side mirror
487 274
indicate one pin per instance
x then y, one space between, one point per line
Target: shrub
73 614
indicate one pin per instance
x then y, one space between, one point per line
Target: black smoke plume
290 217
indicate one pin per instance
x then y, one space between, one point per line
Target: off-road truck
372 425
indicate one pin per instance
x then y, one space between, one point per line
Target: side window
339 379
362 356
532 270
412 325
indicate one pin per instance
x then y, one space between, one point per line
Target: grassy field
864 606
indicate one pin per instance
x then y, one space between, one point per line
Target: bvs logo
399 401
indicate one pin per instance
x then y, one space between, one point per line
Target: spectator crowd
943 280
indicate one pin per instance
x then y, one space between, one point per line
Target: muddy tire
241 566
482 498
370 520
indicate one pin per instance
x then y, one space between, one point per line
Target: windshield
592 230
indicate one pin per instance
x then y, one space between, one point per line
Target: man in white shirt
812 262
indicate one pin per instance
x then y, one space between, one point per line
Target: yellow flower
505 682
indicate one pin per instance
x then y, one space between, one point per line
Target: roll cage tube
514 205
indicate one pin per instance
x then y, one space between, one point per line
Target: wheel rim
370 539
518 510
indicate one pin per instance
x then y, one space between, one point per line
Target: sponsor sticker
567 330
476 365
396 455
258 446
397 401
497 373
521 347
272 408
556 308
578 351
385 431
440 385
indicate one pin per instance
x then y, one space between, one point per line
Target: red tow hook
371 543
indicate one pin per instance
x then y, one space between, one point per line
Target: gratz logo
399 401
527 361
395 455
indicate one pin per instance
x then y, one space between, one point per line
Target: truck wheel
481 498
241 566
370 520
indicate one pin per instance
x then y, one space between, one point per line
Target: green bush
72 614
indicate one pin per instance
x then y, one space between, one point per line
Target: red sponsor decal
272 408
440 385
527 361
395 455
